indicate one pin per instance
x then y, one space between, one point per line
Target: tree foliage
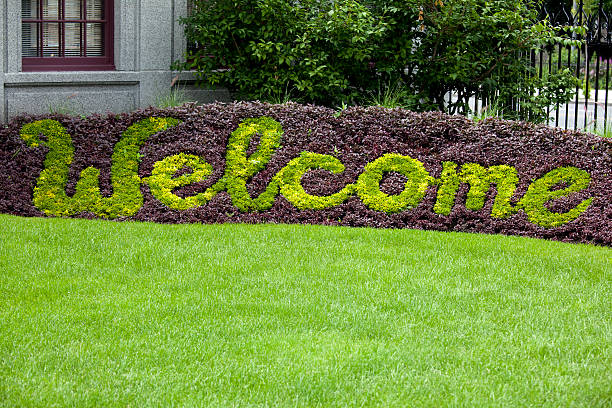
338 52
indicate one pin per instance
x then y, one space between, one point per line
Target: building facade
91 56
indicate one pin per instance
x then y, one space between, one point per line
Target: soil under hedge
356 137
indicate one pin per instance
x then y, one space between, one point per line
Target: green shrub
318 49
334 52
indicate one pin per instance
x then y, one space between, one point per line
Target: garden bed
256 162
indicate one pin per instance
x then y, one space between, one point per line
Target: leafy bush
469 47
317 49
254 162
341 51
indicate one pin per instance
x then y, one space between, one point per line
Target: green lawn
96 313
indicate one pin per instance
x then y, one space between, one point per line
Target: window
64 35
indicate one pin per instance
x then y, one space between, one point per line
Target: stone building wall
147 38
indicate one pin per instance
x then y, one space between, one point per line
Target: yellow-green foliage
239 168
162 180
540 192
479 179
50 191
291 187
50 195
368 184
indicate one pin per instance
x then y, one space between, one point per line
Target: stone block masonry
147 38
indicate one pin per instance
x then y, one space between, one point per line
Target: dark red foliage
356 137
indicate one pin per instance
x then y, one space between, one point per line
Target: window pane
72 9
72 34
67 37
29 9
51 40
50 9
95 9
95 42
29 40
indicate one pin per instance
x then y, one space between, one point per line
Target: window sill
67 64
70 77
66 68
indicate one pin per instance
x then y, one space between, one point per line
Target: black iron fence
591 106
590 63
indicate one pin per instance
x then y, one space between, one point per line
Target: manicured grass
96 313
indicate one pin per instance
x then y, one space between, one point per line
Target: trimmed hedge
255 162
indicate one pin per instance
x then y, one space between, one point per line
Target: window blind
63 28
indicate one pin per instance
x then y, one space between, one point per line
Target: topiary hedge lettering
254 162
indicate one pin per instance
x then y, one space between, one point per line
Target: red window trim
105 63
